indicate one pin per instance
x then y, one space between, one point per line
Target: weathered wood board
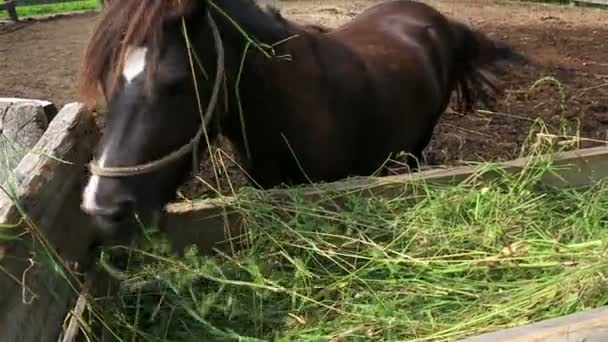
22 124
210 222
593 2
34 293
588 326
49 108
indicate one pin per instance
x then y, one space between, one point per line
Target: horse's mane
123 23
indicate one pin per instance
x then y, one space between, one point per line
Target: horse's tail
475 56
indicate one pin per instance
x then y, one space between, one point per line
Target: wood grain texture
49 108
34 295
587 326
22 125
594 2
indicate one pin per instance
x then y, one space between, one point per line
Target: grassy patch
443 263
57 8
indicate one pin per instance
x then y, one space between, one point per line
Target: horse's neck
247 23
245 18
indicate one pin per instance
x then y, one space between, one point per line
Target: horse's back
406 47
403 43
402 12
357 93
403 40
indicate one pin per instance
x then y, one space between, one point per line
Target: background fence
25 8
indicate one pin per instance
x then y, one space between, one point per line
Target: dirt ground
566 44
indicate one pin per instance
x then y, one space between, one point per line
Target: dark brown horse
300 103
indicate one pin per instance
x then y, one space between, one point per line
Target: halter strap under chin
191 147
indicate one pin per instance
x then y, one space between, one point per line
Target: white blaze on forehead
135 62
89 203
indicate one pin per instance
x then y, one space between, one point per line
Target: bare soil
567 46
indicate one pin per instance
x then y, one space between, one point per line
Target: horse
300 103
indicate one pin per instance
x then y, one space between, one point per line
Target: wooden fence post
9 5
40 202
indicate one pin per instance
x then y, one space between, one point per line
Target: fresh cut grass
438 263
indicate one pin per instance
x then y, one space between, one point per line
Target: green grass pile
443 263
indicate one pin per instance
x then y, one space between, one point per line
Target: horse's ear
189 8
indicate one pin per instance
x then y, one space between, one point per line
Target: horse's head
140 57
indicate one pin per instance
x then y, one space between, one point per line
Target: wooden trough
211 223
588 326
51 234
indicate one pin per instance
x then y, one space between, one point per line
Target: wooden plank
587 326
34 293
209 223
594 2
